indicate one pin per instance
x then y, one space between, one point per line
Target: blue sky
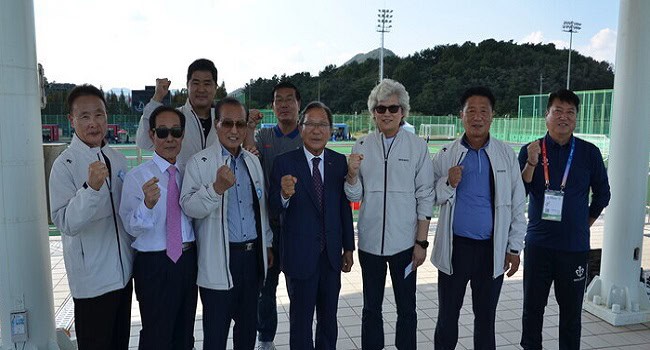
129 44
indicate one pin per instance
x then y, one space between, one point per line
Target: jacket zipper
223 233
110 194
383 147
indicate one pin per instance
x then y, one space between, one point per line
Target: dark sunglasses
228 124
162 133
382 109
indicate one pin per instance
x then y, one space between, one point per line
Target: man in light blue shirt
481 225
165 268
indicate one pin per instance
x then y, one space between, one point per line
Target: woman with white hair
391 173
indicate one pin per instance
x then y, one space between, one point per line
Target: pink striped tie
174 238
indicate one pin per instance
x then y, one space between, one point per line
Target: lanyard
566 169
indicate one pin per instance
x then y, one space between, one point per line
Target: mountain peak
374 54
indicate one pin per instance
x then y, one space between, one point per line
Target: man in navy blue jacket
306 191
558 171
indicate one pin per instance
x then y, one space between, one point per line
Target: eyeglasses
315 125
392 108
228 124
162 133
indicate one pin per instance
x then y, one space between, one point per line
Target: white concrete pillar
25 273
616 295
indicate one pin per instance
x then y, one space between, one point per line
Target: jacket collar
77 144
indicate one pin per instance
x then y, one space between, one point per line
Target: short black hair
156 112
84 90
477 91
314 105
285 85
563 95
202 64
228 100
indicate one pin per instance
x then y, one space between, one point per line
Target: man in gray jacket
85 190
223 190
199 114
481 224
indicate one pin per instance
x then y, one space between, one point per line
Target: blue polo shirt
587 172
473 209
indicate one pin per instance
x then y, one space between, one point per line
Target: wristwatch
424 244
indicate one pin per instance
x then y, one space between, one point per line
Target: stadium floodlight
384 20
570 27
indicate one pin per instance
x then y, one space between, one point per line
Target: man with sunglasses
166 264
223 190
270 143
85 192
201 89
481 225
390 171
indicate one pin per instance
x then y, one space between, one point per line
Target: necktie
318 188
174 238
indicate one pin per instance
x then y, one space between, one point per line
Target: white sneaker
265 345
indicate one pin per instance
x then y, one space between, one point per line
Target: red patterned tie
174 238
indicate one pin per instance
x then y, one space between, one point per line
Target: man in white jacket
223 190
199 115
481 224
85 190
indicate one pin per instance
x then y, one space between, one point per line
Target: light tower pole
384 25
570 27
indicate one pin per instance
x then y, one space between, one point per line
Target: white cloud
602 46
536 37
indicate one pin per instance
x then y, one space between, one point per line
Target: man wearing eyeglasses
317 232
223 190
201 88
270 143
559 170
85 191
481 225
390 171
166 264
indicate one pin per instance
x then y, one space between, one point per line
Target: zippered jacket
96 249
193 140
210 212
509 203
395 190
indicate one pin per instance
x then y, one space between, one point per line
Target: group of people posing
221 209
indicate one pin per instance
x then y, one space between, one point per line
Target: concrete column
616 295
25 273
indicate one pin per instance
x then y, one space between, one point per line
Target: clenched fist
162 88
225 179
454 175
534 150
354 162
288 184
254 118
151 192
97 173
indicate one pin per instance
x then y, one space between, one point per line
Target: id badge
552 209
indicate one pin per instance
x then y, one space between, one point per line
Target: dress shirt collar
162 163
311 156
226 153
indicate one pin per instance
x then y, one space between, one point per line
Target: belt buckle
249 246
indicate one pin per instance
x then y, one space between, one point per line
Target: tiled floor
596 334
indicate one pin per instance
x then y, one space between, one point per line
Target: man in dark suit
306 191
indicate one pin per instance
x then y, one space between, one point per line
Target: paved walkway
596 334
